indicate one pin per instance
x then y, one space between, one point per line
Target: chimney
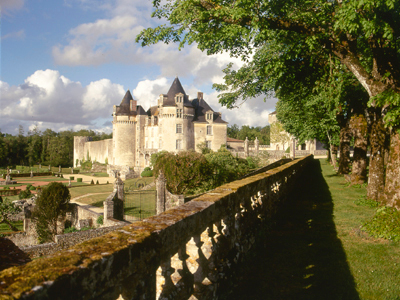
199 95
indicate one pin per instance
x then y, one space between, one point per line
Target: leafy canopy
50 205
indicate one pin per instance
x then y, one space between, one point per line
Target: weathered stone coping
125 261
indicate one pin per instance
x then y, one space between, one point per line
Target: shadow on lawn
301 257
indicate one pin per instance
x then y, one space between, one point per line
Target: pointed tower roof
123 108
176 88
127 98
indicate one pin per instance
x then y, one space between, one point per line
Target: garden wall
194 250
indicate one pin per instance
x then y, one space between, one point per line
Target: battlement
193 249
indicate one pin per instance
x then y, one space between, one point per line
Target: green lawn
94 188
95 200
134 183
316 250
5 229
140 205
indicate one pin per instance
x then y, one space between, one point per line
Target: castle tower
176 114
124 132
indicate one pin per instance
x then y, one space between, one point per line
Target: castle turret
124 131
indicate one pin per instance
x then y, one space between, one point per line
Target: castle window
208 144
178 144
178 128
179 113
209 130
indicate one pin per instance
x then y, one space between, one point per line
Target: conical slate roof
176 88
123 108
127 98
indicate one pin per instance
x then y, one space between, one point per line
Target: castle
175 123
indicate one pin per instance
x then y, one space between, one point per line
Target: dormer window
209 116
179 99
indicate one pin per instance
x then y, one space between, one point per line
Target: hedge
27 174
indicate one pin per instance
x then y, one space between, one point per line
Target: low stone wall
64 241
195 249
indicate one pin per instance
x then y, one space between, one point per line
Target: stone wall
65 241
165 199
195 249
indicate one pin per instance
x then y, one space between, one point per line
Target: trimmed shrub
97 182
147 173
79 180
71 177
100 220
92 182
32 188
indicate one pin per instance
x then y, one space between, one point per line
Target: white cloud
18 35
147 91
253 112
57 102
9 5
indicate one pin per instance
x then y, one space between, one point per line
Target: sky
65 63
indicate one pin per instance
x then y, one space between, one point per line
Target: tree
183 171
7 209
362 34
50 205
278 134
226 168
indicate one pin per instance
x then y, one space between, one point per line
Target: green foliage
225 167
203 148
261 133
32 188
287 150
147 172
25 194
79 180
70 229
86 165
100 220
385 224
106 161
50 205
184 170
71 177
364 201
92 182
7 209
97 182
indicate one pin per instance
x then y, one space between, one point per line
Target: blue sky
65 63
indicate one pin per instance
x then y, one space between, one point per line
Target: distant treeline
240 133
47 147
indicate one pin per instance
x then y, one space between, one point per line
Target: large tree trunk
392 182
359 127
376 175
344 147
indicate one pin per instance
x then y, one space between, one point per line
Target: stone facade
310 146
175 123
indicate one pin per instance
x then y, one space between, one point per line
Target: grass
134 183
140 205
95 188
95 200
5 229
101 174
316 250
